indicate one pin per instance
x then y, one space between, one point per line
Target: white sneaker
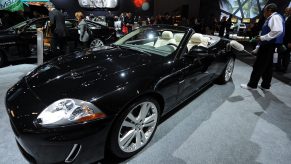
245 86
263 89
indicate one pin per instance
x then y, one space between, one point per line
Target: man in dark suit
58 29
284 58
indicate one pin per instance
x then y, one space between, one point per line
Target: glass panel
250 8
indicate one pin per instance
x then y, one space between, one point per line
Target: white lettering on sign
6 3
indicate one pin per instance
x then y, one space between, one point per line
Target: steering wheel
172 44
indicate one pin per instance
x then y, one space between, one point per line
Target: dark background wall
282 4
209 8
187 8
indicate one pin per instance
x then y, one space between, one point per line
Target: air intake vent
73 154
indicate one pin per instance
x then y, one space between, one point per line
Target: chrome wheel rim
96 43
137 127
229 69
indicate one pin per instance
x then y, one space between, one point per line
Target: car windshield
157 41
18 26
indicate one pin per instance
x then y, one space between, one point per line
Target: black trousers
283 61
262 67
58 45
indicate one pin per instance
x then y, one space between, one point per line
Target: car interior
169 38
164 42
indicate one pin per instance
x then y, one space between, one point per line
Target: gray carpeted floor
225 124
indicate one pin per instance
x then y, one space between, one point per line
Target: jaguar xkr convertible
75 107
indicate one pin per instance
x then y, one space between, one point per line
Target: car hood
71 71
4 35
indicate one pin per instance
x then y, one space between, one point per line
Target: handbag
124 29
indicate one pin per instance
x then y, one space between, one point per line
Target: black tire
2 59
227 73
118 128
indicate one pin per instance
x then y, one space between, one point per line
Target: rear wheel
96 43
134 128
227 73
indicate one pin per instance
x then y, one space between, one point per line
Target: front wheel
134 128
227 72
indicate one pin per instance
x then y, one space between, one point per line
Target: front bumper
82 143
75 146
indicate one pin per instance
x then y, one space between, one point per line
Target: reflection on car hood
6 35
71 71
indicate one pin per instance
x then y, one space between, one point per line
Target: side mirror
197 51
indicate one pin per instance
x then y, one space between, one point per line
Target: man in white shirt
272 35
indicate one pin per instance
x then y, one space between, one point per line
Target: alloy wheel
96 43
138 127
229 69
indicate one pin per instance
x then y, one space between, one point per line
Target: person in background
110 19
227 26
168 19
129 22
284 57
158 19
184 22
222 26
58 29
272 34
83 29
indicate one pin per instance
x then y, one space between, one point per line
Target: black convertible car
74 107
19 41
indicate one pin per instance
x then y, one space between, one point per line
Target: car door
99 31
28 37
168 84
195 73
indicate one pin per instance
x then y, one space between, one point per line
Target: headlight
68 111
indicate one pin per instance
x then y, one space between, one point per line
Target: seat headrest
167 35
178 37
196 38
204 41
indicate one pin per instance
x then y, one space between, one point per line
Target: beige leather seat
178 37
198 39
204 41
166 38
